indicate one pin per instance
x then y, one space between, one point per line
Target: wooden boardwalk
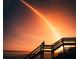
50 48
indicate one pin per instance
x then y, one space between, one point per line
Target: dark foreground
69 54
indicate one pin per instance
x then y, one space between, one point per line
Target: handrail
53 47
37 49
57 42
62 42
56 45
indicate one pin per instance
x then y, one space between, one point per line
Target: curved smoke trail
43 18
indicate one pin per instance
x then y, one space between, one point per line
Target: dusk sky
24 30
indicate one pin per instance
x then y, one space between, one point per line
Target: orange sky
28 35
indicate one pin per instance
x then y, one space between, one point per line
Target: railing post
42 50
52 54
63 45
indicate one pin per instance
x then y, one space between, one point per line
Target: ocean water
14 54
21 55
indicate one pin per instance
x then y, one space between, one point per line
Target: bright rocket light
43 18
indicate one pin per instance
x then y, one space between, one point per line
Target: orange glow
44 19
32 27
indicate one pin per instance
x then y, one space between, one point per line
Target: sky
24 30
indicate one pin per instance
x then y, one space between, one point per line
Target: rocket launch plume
43 18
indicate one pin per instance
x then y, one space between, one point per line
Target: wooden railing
50 48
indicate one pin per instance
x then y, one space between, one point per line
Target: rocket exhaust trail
42 17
